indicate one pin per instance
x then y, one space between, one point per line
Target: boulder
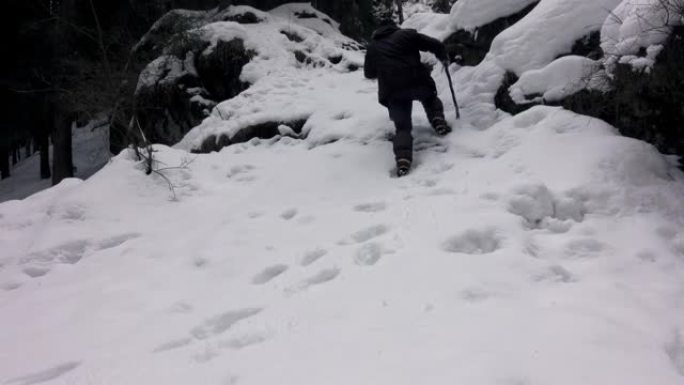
646 105
189 76
470 47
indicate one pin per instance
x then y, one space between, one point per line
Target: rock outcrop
200 59
470 47
178 89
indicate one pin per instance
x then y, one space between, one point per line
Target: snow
413 7
471 14
299 13
534 44
636 25
165 68
432 24
221 31
548 31
556 81
541 248
237 10
294 95
547 223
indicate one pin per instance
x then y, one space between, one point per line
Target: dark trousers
400 113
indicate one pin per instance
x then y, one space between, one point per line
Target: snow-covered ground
544 249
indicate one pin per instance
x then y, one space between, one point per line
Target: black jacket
393 57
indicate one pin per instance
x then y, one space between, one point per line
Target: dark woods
66 62
69 62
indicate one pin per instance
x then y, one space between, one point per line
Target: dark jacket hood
384 31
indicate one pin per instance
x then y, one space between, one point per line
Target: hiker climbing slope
393 57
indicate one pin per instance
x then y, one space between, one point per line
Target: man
393 57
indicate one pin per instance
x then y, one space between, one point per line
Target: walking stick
451 87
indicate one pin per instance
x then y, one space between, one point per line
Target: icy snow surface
544 249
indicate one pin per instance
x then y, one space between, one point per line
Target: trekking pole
451 87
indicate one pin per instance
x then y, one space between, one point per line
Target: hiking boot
403 167
441 126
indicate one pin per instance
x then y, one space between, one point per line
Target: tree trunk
28 147
43 137
15 156
4 162
62 166
44 145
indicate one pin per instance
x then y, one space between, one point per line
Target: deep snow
544 249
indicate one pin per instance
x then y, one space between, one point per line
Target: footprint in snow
323 276
373 207
490 196
72 252
200 262
365 235
268 274
306 220
240 170
289 214
9 286
473 241
441 168
427 183
556 273
675 351
313 256
222 322
647 256
35 271
254 214
45 375
117 240
368 254
474 295
244 341
584 248
69 252
180 308
174 344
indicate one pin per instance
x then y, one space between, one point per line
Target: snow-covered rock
472 14
219 54
549 30
561 78
636 31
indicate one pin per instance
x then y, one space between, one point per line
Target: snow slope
544 249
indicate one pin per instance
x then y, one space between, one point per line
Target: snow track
541 248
